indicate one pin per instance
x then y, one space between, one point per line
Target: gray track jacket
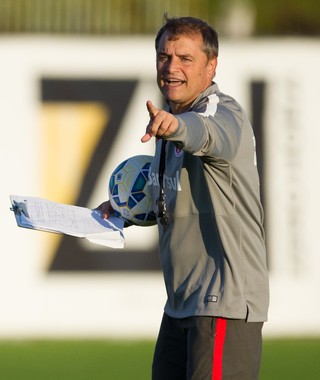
213 250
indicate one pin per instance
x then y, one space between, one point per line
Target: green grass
78 360
291 359
283 359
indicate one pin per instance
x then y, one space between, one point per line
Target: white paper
44 215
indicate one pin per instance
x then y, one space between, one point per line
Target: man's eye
162 58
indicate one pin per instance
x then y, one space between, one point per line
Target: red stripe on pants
220 334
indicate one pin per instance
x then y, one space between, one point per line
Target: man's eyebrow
185 55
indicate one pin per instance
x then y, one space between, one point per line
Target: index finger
151 109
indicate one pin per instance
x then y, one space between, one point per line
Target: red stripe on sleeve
218 344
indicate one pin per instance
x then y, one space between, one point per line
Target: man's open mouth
173 82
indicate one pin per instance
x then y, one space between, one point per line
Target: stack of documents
44 215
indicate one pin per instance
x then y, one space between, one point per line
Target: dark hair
177 26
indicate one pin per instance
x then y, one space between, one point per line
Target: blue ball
129 192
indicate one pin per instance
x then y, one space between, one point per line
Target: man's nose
172 65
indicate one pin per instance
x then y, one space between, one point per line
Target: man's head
187 26
187 51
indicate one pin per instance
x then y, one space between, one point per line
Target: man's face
183 70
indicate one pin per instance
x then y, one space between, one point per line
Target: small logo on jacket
212 298
178 152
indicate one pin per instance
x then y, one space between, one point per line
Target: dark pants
207 348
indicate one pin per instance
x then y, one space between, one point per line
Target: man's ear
212 65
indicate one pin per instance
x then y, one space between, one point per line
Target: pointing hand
161 123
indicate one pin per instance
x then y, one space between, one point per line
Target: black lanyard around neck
162 205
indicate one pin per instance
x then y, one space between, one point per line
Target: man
206 189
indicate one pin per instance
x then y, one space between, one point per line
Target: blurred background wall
126 17
74 79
